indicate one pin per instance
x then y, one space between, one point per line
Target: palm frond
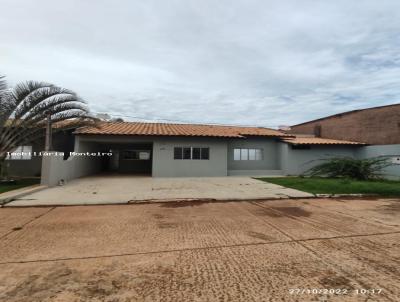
3 83
26 109
22 90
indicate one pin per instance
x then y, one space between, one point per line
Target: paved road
232 251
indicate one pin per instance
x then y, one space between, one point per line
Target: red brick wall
378 126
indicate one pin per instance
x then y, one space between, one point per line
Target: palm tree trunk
3 168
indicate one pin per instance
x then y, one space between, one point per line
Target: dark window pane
205 153
129 155
177 153
186 153
196 153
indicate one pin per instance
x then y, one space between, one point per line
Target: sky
239 62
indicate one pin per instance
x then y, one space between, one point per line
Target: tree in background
27 108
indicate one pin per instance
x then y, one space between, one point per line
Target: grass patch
319 185
20 183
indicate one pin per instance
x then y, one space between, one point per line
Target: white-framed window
20 153
247 154
136 155
200 153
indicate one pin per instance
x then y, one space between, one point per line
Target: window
247 154
187 153
21 153
196 153
236 154
135 155
205 153
192 153
252 154
144 155
244 154
178 153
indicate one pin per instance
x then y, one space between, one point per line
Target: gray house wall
296 162
164 164
389 151
269 165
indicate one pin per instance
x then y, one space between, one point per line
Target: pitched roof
345 113
318 141
164 129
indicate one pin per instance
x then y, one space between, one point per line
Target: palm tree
26 109
3 84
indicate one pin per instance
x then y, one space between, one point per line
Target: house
374 126
174 150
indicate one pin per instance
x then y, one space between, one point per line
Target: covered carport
121 154
96 154
128 158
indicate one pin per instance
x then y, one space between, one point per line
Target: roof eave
157 134
329 144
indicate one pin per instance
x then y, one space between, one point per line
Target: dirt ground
282 250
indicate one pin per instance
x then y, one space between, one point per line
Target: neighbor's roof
163 129
346 113
318 141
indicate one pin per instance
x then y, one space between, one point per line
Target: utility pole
48 143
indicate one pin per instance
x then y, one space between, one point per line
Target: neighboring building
374 126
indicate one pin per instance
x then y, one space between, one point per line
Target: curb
10 195
344 195
206 200
163 201
183 200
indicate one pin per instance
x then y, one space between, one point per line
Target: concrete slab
117 189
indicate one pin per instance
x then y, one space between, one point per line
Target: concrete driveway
119 189
278 250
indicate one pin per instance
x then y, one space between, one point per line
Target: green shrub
348 167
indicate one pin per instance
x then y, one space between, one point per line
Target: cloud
243 62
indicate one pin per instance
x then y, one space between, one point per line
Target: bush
348 167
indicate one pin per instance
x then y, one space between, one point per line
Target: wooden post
48 143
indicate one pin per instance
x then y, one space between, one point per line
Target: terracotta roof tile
318 141
163 129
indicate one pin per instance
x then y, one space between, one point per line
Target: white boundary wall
56 169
